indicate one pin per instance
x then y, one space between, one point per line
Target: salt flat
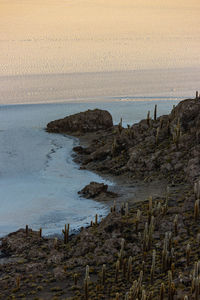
97 45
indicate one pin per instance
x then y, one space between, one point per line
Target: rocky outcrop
88 121
95 189
168 146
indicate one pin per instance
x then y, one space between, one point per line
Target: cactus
129 271
173 268
196 288
197 189
188 250
86 282
162 291
198 239
18 282
26 230
150 203
169 284
148 118
96 219
145 237
126 209
165 252
153 266
75 279
196 210
66 234
155 112
144 296
117 296
103 280
126 296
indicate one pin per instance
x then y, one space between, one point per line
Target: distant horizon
69 50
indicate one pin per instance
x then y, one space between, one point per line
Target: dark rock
93 189
88 121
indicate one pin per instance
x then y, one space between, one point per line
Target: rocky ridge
168 146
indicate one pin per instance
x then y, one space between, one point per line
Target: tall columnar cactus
103 274
162 291
117 296
66 233
26 230
153 265
196 210
170 285
155 112
96 219
126 209
129 271
197 189
18 282
86 283
148 118
75 279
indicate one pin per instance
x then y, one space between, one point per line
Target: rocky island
144 250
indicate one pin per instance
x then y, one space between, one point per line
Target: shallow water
38 179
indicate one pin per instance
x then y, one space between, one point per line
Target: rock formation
88 121
168 146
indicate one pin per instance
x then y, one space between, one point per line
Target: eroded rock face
88 121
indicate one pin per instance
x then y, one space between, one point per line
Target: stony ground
41 268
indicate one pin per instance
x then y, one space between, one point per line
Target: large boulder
88 121
93 189
96 190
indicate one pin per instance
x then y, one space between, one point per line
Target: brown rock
93 189
88 121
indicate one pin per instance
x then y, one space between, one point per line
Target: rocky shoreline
141 250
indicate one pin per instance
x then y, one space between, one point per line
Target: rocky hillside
168 146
